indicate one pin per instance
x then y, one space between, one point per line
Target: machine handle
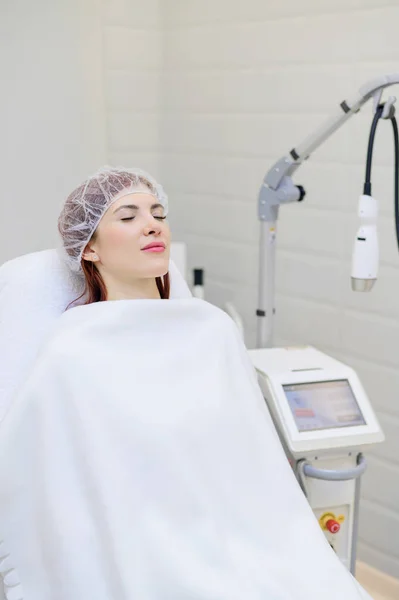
335 475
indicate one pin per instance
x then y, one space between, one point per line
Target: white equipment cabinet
325 421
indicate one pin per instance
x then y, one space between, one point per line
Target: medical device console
324 420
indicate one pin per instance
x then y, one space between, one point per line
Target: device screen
323 405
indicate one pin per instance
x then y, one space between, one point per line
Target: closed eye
131 218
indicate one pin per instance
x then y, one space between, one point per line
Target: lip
154 247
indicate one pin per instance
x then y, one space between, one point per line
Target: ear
90 254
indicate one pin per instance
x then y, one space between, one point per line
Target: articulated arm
278 188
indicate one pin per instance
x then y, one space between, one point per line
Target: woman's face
128 227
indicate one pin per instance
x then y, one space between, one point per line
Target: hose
367 182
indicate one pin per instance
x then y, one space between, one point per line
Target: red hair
95 290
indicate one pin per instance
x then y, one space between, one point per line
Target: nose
152 227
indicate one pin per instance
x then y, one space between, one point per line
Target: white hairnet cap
85 206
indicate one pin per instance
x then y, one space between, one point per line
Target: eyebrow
134 207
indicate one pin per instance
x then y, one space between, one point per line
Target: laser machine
325 421
321 411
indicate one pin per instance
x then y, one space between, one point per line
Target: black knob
302 193
198 276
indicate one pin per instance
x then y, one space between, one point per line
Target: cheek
118 236
166 232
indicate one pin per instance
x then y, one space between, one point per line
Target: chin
161 272
159 268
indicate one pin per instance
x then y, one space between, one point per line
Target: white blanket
35 290
139 462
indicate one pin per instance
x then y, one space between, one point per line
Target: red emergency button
333 526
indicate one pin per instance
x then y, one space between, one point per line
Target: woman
114 230
139 461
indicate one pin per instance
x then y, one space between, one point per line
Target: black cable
396 200
367 181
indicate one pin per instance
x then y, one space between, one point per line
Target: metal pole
266 299
355 531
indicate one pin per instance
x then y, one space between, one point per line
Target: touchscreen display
323 405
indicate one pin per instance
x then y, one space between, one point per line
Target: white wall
133 77
243 83
51 114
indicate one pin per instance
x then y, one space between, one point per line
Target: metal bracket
277 188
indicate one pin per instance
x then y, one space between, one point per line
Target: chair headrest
35 290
